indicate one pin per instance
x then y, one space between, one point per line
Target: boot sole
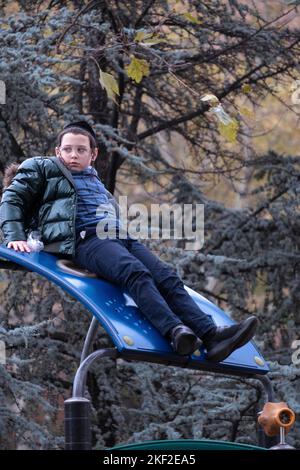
227 346
187 344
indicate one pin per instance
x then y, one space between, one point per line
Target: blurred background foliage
140 73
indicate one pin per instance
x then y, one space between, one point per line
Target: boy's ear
94 154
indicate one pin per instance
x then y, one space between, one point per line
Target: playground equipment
133 336
274 418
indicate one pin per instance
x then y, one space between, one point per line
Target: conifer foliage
154 77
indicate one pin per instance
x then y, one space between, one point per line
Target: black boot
183 340
227 339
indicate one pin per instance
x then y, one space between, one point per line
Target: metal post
77 424
90 337
267 384
263 440
282 445
77 408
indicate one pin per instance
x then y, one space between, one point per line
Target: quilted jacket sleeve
19 198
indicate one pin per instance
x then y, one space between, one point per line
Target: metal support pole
263 440
267 384
77 408
90 338
81 374
77 424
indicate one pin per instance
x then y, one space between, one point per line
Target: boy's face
76 151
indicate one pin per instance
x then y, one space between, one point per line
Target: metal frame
77 408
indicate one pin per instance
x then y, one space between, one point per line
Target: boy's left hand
20 245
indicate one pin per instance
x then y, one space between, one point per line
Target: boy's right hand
19 246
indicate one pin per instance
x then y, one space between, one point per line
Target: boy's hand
19 246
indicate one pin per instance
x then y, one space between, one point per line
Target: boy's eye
69 149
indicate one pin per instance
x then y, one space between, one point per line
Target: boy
64 198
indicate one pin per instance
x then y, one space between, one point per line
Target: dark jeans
154 286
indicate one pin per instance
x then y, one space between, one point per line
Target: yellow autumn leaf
229 131
152 41
137 69
191 18
246 88
141 35
244 111
147 39
109 83
172 38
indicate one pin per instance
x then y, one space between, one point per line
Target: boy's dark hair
80 127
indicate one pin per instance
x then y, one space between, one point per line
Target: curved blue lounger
133 335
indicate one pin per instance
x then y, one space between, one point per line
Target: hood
9 173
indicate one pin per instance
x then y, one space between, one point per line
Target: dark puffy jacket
42 193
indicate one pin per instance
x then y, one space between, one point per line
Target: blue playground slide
132 334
